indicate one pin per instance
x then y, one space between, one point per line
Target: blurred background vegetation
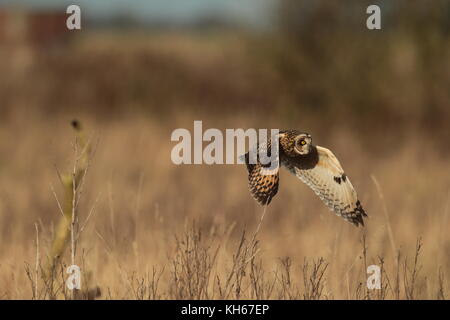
286 58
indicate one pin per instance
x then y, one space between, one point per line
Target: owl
316 166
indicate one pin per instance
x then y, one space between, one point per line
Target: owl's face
302 143
296 143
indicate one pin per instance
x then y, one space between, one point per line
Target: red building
36 28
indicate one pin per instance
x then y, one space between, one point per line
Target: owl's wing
262 181
328 180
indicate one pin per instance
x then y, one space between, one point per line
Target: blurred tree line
401 72
319 60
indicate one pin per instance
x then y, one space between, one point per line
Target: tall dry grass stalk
71 183
37 264
68 229
386 214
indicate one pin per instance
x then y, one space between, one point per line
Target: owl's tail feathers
357 215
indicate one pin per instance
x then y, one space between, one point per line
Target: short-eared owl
316 166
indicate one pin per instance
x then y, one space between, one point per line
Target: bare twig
38 258
386 215
57 201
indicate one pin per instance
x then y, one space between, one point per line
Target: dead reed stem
72 183
37 262
386 215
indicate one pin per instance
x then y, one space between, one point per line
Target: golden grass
162 231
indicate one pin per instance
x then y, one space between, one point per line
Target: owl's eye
302 142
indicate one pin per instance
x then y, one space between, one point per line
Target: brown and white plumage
263 187
316 166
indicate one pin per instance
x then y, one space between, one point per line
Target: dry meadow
149 229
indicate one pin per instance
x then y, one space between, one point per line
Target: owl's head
296 143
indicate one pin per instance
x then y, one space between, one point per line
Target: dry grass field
166 231
154 230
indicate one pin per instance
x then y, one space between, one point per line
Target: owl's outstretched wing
262 181
328 180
